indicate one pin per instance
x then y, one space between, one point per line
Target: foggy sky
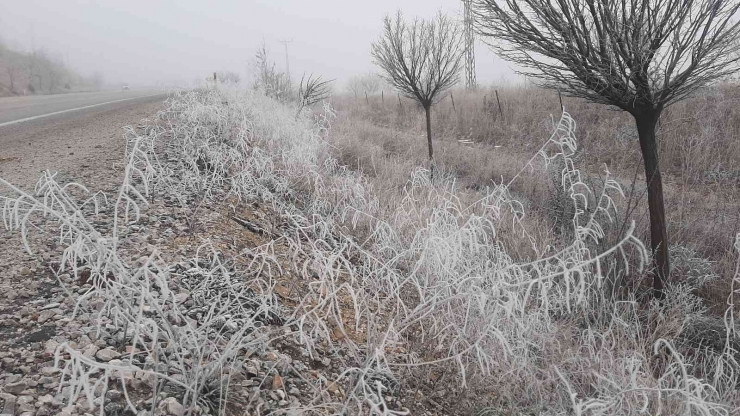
142 42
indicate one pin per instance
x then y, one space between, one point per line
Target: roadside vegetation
323 269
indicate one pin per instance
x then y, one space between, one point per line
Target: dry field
481 144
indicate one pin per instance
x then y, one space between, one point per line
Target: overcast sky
174 41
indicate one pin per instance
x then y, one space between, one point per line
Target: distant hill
37 72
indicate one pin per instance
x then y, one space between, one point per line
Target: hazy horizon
143 43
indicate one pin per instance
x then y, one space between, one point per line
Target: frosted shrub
419 280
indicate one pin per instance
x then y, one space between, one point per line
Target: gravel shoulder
273 372
86 147
37 304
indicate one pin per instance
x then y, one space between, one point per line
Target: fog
177 42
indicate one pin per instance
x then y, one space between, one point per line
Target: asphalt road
20 108
79 143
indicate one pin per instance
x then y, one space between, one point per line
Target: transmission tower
287 62
470 82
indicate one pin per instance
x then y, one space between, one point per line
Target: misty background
146 43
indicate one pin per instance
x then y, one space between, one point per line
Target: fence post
382 96
214 77
561 101
500 111
452 97
366 100
399 100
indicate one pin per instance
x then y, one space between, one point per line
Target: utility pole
470 82
287 61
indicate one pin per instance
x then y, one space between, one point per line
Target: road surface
76 142
20 108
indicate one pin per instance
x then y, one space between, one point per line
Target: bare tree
229 77
421 59
97 80
354 85
637 55
55 73
274 83
369 83
33 68
14 70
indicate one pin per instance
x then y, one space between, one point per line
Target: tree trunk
646 123
11 78
428 112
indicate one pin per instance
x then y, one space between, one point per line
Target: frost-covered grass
697 146
410 280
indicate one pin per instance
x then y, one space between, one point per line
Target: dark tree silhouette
637 55
421 60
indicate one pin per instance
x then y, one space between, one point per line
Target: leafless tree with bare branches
421 59
369 83
14 70
274 83
637 55
229 77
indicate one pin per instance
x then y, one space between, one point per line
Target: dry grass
491 288
699 150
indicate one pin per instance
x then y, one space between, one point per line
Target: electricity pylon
470 82
287 61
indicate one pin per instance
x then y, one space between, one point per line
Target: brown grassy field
699 150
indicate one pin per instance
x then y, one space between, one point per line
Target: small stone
15 388
114 394
49 371
171 406
43 411
251 370
181 297
338 334
107 354
8 363
97 304
277 382
51 306
90 350
50 347
9 407
46 315
13 378
46 399
25 271
332 387
24 400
